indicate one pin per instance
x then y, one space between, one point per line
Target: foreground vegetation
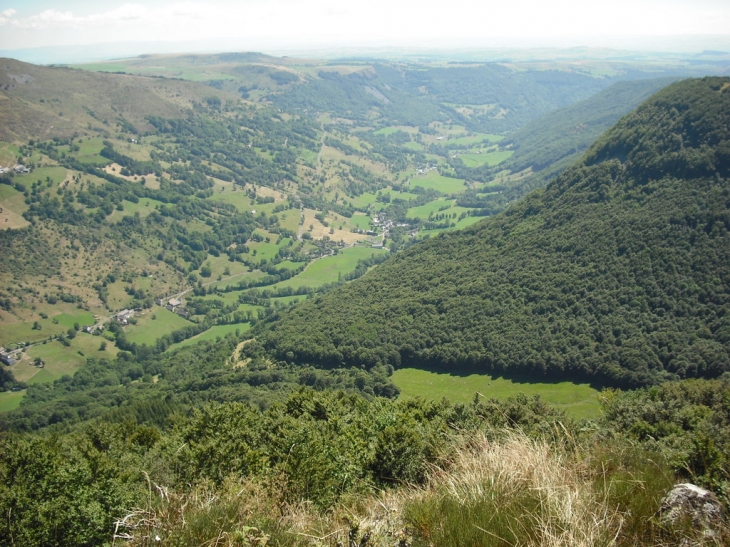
319 468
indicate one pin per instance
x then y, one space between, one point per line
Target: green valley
257 300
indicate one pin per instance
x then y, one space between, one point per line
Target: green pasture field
405 196
89 152
240 200
117 297
289 265
289 219
413 145
328 269
227 297
263 250
67 319
433 180
360 221
476 139
488 158
468 221
65 315
386 130
423 211
460 225
56 174
7 192
60 360
219 331
363 200
308 156
10 400
219 264
250 307
8 154
577 400
144 207
148 330
251 276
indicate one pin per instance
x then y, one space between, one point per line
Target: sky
263 25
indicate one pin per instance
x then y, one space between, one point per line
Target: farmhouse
7 358
124 316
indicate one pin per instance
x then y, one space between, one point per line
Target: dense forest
617 271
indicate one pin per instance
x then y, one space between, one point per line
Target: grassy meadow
154 324
486 158
435 181
10 400
329 268
213 333
577 400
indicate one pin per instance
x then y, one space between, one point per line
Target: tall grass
490 490
513 491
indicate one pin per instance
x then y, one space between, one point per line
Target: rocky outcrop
691 508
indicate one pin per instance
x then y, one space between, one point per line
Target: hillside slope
45 102
618 271
545 147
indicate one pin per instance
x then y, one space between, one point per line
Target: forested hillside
618 271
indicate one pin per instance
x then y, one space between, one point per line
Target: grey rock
689 504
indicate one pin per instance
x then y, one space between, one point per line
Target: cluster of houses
424 170
384 223
18 168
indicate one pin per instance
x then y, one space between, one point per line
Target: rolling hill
618 271
46 102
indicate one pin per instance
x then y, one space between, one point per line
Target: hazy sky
422 23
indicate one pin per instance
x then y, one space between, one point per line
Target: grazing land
212 333
154 324
579 401
10 400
